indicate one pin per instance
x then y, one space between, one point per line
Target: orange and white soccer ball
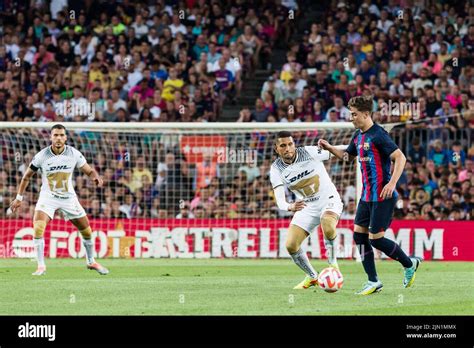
330 279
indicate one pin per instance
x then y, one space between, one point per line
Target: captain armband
33 167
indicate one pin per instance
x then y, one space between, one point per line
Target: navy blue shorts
376 216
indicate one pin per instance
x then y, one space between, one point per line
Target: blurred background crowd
135 61
186 61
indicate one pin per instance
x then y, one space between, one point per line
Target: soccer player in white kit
56 164
317 201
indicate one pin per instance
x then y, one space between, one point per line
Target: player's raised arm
320 154
25 180
344 152
92 173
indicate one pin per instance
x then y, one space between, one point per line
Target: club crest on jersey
366 146
301 175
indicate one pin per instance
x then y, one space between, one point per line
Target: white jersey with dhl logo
306 177
56 171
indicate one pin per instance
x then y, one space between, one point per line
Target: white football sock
39 248
89 250
301 259
331 249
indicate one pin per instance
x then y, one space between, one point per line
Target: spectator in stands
417 153
199 211
245 115
438 155
139 171
206 171
457 156
200 47
252 46
342 113
444 112
397 66
339 71
260 113
203 198
130 207
225 83
349 212
143 90
421 82
95 209
454 97
185 212
172 84
234 65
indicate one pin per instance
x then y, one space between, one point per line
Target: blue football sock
366 254
393 250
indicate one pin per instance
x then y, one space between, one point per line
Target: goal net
187 190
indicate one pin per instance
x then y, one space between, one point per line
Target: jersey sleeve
275 178
317 153
36 162
384 143
80 159
351 149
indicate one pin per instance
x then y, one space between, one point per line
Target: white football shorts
309 218
70 207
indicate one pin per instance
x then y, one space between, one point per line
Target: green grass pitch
226 287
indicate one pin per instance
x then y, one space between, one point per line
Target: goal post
170 189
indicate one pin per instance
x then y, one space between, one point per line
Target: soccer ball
330 279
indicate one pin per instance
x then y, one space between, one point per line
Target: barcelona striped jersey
373 149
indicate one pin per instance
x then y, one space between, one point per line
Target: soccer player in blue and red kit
375 151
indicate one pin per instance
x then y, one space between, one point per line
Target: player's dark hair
280 134
362 103
58 126
283 134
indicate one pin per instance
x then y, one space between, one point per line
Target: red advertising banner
195 146
230 238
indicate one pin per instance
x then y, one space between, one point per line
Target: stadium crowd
143 63
130 61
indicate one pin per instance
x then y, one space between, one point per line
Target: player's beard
288 158
59 146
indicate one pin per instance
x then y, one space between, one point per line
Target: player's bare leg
329 222
296 236
84 228
40 220
361 238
